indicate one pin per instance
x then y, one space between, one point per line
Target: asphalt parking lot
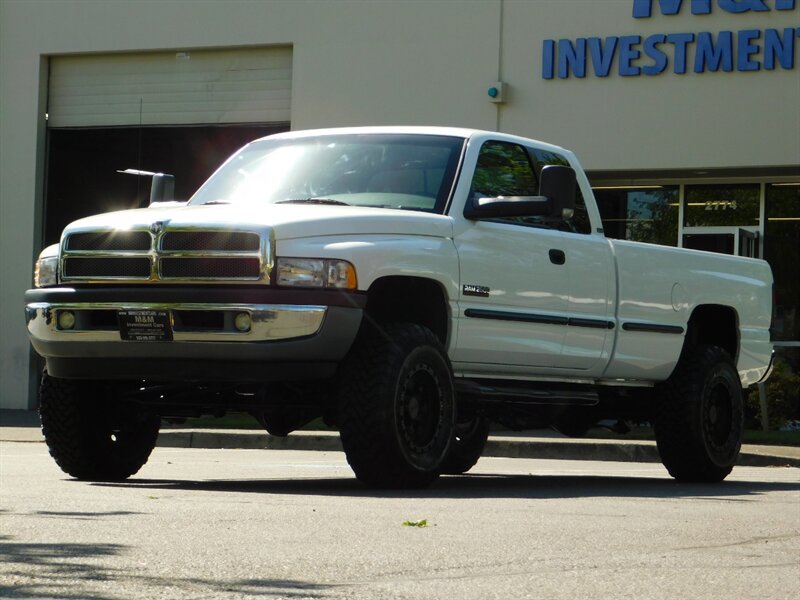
203 523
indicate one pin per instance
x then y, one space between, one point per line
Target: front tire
396 406
91 436
467 446
699 416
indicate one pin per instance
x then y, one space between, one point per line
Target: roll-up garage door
171 88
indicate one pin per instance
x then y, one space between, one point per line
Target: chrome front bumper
290 334
191 322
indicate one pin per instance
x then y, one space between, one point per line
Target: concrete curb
23 426
498 446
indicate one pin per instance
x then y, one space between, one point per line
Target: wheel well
714 325
409 299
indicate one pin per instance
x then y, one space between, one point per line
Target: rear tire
91 436
699 416
396 406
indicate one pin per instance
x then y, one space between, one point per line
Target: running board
489 391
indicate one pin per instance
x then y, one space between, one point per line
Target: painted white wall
400 62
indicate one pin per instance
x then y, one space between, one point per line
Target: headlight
46 271
316 273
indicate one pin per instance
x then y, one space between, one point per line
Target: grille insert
92 267
105 241
210 268
210 241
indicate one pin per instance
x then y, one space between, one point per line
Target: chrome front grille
169 255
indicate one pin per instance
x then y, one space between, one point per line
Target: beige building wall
400 62
667 121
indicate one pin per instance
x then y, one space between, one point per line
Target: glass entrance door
724 218
725 240
748 243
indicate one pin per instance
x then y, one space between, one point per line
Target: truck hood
281 221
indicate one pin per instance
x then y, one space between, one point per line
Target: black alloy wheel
396 406
699 416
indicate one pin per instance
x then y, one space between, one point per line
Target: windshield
402 171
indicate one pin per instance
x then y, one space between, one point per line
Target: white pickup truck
410 286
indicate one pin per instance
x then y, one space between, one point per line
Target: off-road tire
699 416
396 406
91 437
467 446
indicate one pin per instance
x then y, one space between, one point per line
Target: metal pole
762 399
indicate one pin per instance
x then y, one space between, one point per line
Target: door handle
557 257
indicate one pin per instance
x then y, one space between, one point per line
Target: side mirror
162 185
556 199
558 184
162 188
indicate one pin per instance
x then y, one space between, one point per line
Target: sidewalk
23 426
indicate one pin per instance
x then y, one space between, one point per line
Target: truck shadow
80 571
484 486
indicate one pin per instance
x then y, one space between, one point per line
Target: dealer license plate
145 325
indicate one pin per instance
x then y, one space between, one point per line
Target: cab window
503 169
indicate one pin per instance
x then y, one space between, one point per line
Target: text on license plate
145 325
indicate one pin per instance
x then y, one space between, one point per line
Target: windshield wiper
314 201
213 202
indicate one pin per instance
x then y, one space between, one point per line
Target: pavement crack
747 542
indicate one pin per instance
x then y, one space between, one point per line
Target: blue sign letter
681 41
745 49
643 9
742 6
628 54
548 52
706 55
572 56
602 54
652 50
782 49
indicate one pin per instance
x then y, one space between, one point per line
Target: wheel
89 435
396 406
699 416
467 446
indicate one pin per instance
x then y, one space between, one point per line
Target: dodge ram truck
409 286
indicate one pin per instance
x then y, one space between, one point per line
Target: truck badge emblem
157 227
471 289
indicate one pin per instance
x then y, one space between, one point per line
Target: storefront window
721 205
645 214
782 251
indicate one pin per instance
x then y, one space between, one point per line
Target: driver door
514 285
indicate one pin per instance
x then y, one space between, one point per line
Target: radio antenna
139 156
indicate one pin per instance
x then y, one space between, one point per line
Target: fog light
242 322
66 319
